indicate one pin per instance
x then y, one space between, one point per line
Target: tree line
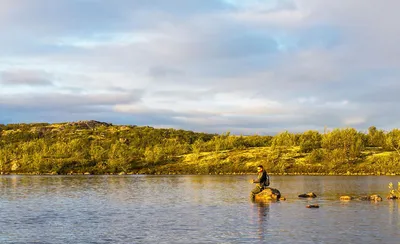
100 148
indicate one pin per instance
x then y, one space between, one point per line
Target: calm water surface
193 209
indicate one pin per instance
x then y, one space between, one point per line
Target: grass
290 161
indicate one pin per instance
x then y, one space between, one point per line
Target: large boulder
268 194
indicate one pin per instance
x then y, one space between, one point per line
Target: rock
375 198
312 206
308 195
14 166
346 198
268 194
391 196
88 124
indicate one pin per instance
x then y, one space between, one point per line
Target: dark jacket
262 179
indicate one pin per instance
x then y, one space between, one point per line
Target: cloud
91 17
162 71
212 65
69 102
25 77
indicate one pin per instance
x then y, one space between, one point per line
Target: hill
102 148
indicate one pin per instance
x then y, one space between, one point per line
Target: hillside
102 148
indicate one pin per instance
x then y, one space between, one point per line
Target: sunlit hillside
94 147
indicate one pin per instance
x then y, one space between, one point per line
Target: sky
243 66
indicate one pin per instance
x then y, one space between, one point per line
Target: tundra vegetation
100 148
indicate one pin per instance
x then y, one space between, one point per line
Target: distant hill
95 147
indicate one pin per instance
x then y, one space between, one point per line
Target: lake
193 209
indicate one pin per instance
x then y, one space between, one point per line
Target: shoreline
234 173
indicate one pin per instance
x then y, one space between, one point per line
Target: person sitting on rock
262 181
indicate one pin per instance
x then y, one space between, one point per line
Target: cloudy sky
244 66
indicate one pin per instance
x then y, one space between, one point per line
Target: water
193 209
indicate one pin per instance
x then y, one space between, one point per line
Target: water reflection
261 210
394 212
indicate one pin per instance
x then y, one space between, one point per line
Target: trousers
256 190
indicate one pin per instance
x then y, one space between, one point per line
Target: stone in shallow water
346 198
308 195
375 198
268 194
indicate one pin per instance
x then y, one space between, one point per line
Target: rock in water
375 198
268 194
346 198
308 195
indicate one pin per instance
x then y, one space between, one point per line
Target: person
262 181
